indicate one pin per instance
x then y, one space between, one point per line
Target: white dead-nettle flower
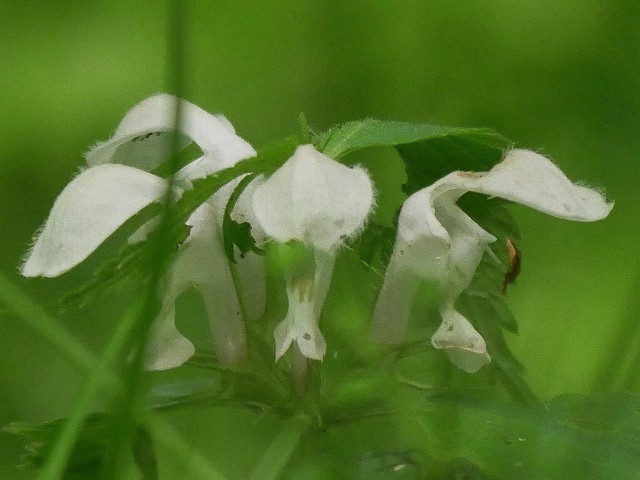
117 185
319 202
438 242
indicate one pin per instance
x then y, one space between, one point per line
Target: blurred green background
560 77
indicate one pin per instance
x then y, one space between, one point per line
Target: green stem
280 451
164 434
126 406
101 374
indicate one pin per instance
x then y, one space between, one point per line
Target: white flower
438 242
117 185
320 202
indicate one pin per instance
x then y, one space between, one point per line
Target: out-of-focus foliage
563 77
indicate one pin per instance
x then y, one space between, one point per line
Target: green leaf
86 457
352 136
144 455
234 233
483 303
184 392
465 149
92 442
374 245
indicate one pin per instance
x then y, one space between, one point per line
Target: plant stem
280 451
58 458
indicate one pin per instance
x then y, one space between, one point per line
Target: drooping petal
531 179
200 263
167 347
393 308
205 265
141 139
306 298
522 176
301 323
90 208
464 345
421 253
314 199
468 242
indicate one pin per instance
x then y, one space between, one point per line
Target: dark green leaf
86 458
144 455
483 302
468 150
367 133
236 234
375 244
184 392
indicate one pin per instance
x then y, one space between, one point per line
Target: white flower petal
468 242
141 140
464 345
314 199
90 208
300 324
438 242
202 263
393 308
531 179
167 347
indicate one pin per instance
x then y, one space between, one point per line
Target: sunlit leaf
352 136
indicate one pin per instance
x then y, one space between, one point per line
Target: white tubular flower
320 202
438 242
116 186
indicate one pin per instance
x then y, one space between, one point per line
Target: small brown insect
515 265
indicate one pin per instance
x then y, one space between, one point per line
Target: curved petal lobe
141 139
301 323
167 347
463 344
90 208
531 179
314 199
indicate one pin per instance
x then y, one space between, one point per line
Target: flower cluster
312 200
